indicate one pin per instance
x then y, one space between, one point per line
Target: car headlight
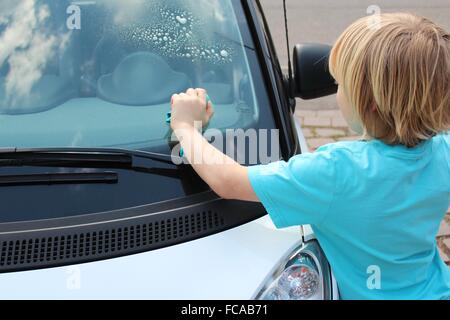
304 274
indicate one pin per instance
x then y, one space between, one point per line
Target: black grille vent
64 248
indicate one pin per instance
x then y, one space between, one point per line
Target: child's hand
191 107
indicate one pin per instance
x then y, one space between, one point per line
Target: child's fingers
210 110
201 94
191 92
174 99
201 91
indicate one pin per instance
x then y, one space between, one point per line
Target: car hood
228 265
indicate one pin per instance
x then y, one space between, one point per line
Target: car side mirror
312 78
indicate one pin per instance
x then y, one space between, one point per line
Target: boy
374 204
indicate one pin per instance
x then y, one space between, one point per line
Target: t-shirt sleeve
296 192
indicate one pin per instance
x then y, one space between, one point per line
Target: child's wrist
181 125
185 128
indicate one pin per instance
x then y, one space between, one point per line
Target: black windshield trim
108 216
273 77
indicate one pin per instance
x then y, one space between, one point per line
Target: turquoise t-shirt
375 210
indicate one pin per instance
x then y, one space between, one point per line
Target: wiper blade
102 153
50 159
58 178
87 158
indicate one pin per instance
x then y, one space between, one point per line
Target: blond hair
395 72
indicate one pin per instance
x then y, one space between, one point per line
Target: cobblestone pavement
321 127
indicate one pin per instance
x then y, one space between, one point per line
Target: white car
92 205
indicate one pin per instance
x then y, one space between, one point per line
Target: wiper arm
87 157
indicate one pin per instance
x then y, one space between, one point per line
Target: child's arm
225 176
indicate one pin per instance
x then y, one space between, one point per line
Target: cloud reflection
25 45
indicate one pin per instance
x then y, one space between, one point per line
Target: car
93 205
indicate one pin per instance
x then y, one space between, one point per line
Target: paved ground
323 21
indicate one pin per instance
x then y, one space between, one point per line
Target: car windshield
101 73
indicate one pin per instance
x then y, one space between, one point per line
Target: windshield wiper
88 158
58 178
102 152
